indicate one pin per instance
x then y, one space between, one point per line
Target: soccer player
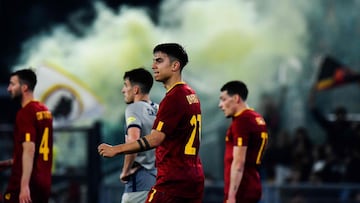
175 134
30 179
245 142
139 170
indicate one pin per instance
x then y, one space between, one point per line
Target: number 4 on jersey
44 145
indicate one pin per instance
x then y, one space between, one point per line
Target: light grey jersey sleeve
142 114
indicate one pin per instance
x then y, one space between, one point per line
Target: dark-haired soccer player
30 179
138 172
245 142
175 134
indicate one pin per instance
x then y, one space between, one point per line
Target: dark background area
22 19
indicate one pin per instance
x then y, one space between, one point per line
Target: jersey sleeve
241 133
170 113
26 126
132 116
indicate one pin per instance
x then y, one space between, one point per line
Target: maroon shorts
13 197
155 196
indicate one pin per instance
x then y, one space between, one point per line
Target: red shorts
155 196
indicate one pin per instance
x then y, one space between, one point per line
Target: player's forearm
129 160
143 144
236 175
132 136
107 150
27 162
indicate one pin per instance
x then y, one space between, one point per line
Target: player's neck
176 78
27 97
142 97
241 108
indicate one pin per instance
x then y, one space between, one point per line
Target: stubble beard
17 97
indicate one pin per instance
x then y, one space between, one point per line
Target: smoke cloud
261 43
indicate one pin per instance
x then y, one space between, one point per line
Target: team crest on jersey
260 121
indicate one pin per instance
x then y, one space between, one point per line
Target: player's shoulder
34 106
135 106
254 117
141 105
248 114
180 91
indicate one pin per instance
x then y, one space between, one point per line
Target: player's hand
230 201
24 196
125 175
106 150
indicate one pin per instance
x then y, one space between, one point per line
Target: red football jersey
247 129
33 123
178 163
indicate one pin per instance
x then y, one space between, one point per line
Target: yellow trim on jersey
152 195
27 137
240 142
240 112
174 85
159 126
31 100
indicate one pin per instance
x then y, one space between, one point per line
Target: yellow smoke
225 40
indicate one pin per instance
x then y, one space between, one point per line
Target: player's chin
227 115
157 78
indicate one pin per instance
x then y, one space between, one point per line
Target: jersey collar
178 83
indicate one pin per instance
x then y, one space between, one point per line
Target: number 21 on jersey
195 122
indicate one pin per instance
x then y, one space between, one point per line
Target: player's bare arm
237 171
133 134
27 160
143 144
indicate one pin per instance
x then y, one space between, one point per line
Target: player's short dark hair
26 76
142 77
236 87
173 50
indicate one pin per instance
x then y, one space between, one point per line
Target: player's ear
175 66
136 89
237 98
24 87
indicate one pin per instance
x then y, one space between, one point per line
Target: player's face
162 67
128 92
14 87
227 104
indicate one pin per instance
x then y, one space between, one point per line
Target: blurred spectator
301 155
353 163
282 155
319 162
277 158
326 168
298 197
270 111
339 131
